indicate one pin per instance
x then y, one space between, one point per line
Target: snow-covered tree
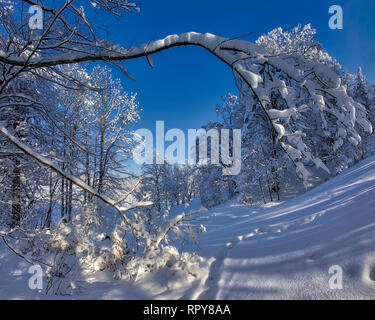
29 121
111 111
361 92
168 185
361 89
214 187
299 40
302 116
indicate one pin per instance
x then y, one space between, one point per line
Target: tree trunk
70 200
16 194
277 186
269 186
47 222
62 197
261 190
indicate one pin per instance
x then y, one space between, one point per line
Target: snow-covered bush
177 265
93 242
86 237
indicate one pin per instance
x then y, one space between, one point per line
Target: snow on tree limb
261 70
76 181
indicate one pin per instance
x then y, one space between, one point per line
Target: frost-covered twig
172 224
28 260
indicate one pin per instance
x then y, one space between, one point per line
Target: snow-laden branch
111 52
130 192
170 225
76 181
323 86
222 48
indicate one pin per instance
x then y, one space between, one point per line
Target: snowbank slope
285 251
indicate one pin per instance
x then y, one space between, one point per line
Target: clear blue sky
187 83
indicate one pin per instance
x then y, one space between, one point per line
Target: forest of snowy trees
67 193
317 126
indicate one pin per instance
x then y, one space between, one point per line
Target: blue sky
186 83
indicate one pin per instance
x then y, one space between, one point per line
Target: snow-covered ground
279 251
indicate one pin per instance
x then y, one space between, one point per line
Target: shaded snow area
278 251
